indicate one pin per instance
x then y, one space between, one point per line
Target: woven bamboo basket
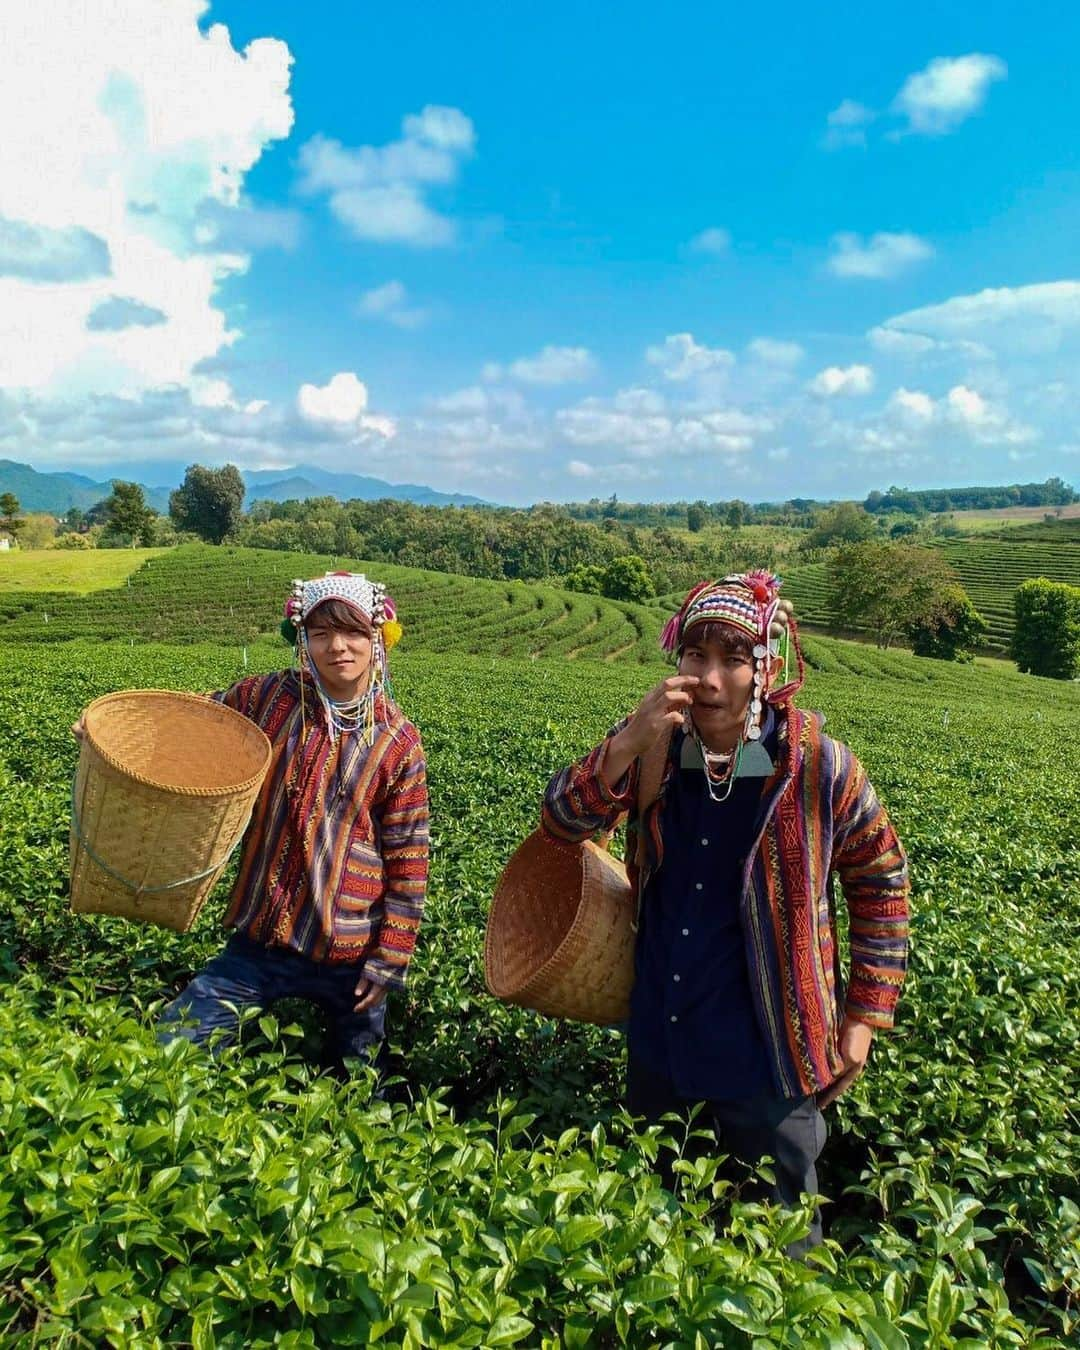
560 936
163 793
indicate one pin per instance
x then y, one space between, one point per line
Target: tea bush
496 1195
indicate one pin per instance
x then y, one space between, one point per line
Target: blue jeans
248 975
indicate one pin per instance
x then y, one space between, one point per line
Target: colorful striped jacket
820 815
335 859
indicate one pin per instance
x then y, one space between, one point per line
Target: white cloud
390 302
681 358
780 455
379 192
947 91
772 352
880 257
714 240
643 428
107 159
842 381
551 365
1019 319
342 401
577 468
846 125
912 404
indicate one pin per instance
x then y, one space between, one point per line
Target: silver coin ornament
760 652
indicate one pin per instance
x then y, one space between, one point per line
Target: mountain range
57 492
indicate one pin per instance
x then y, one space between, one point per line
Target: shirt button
705 842
676 978
674 1018
697 886
686 932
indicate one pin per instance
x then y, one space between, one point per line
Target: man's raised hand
662 708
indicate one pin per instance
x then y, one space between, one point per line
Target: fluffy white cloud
912 404
842 381
551 365
639 425
846 125
880 257
390 302
679 357
378 192
948 91
342 401
772 352
107 159
714 240
1021 319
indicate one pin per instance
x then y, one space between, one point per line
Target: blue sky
545 251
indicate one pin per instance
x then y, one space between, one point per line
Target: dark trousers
790 1130
248 975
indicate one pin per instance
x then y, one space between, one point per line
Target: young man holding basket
738 1001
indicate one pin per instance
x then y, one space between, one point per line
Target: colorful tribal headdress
749 602
370 602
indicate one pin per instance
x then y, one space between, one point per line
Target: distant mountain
303 481
56 493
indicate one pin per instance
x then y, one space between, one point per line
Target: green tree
74 518
845 523
209 502
10 520
735 515
696 516
1046 638
38 530
587 578
627 578
889 588
127 516
953 632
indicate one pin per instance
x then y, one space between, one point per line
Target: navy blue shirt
692 1016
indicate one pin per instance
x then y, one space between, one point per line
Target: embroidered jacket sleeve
579 801
404 848
870 862
247 696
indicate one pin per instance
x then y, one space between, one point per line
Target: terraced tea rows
197 592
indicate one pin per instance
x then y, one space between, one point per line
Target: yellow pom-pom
391 633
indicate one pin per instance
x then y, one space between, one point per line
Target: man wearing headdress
330 890
738 999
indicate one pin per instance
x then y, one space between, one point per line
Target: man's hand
854 1046
369 994
661 708
78 729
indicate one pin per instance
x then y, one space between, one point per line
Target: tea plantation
495 1195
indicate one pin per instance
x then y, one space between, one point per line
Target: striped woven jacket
335 859
821 816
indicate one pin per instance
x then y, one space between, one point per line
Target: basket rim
187 697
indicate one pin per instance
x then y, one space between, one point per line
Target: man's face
342 657
722 696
